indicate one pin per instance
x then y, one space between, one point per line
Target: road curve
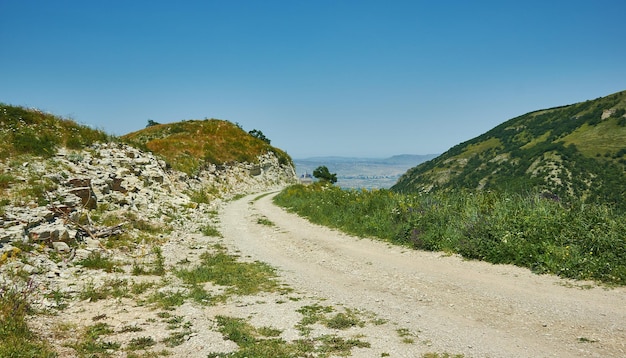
468 307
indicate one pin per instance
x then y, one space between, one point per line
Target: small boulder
61 246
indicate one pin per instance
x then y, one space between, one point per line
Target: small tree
258 134
152 123
322 173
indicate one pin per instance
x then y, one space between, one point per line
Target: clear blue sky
318 77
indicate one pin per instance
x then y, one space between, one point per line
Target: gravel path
461 307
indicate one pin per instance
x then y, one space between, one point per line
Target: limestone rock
61 246
55 231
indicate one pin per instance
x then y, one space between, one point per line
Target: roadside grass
97 261
210 230
167 300
265 221
156 268
91 343
330 318
238 277
260 197
17 340
265 342
114 287
140 343
180 328
569 239
407 336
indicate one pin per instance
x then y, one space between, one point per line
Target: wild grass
115 288
167 300
91 344
406 335
210 230
60 298
265 342
97 261
140 343
265 221
190 145
204 195
238 278
573 239
175 323
32 132
157 266
6 180
316 313
17 340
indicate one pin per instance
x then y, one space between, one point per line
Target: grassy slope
32 132
188 145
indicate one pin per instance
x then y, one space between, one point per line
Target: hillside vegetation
545 190
189 145
574 151
576 241
32 132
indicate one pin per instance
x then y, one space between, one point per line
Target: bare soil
455 306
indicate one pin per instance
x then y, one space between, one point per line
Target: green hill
577 150
188 145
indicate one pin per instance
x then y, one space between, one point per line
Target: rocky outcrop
84 197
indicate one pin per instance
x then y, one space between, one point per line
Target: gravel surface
455 306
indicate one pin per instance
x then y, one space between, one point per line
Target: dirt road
460 307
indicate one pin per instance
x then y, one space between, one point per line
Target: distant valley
370 173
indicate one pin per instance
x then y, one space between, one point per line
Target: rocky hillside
78 206
577 150
66 189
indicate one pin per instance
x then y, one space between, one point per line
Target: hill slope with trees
577 150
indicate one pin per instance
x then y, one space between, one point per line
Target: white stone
61 246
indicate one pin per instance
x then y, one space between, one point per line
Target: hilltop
577 150
191 145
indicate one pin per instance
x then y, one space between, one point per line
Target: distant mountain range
357 172
577 150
